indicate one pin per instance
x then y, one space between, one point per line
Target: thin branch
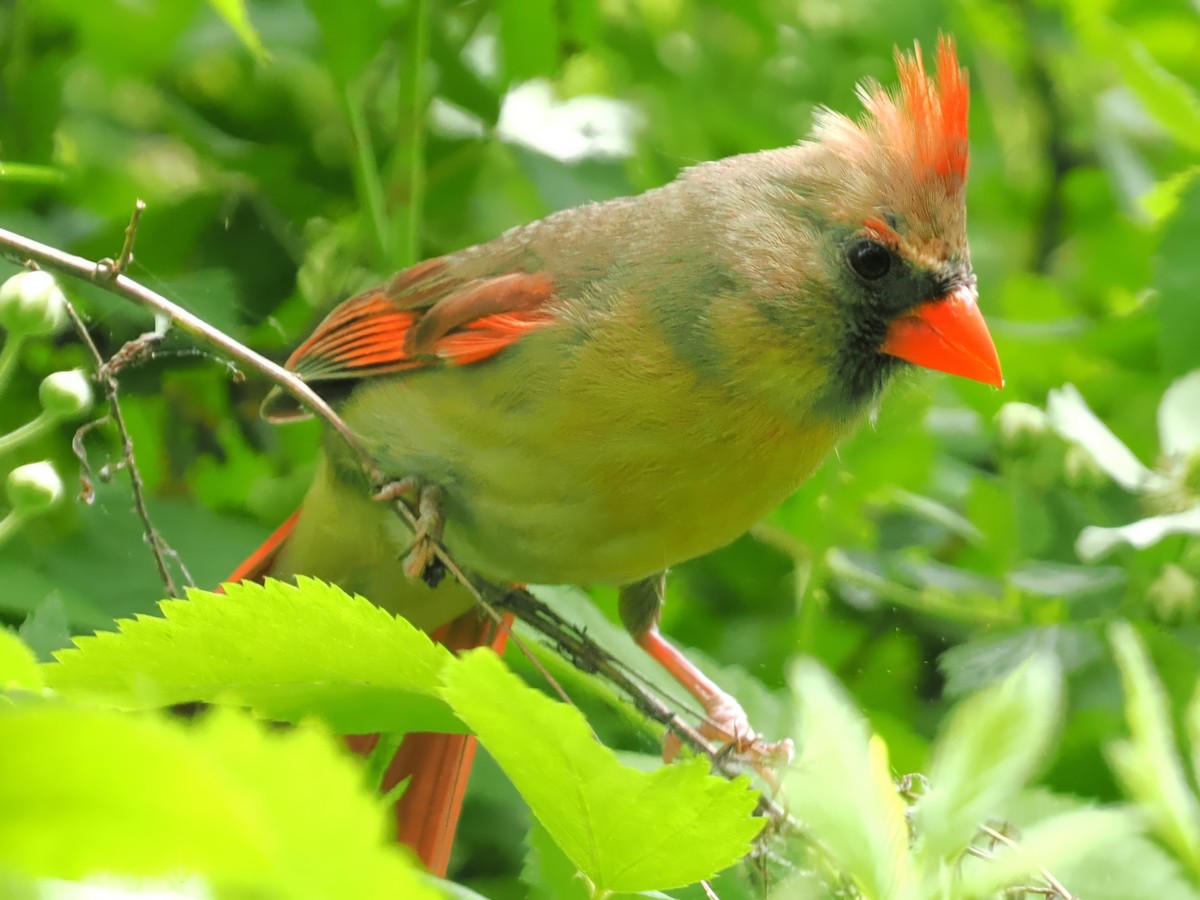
583 652
1059 892
106 377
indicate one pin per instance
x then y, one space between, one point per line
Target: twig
106 376
1056 886
520 602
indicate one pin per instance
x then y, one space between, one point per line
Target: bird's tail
437 765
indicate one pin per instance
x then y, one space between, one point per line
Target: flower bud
1081 471
34 488
1173 596
1021 425
66 395
32 303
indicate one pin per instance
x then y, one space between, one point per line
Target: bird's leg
725 721
418 558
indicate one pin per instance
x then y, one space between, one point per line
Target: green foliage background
291 157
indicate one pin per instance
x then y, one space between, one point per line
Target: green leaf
841 787
235 14
91 791
977 663
1168 99
547 872
287 651
1148 764
625 830
528 37
1176 276
18 665
1048 845
46 629
989 746
1131 867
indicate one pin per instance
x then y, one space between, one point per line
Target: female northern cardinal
621 387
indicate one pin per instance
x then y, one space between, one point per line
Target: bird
617 388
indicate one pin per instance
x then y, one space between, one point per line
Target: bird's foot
420 558
728 726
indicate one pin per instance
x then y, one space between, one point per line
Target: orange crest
921 128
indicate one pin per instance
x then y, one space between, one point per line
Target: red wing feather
412 322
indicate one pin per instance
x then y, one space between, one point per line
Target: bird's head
882 202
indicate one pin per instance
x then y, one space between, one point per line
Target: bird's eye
869 259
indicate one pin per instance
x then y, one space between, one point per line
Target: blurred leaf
1178 420
1169 99
988 748
350 33
1071 417
1048 845
1177 281
610 820
1134 866
1094 542
18 665
1148 764
234 12
528 37
841 788
91 791
1052 579
45 629
330 655
979 662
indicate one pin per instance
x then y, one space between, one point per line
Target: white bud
34 488
32 303
1017 421
66 395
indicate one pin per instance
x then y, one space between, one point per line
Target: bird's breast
600 457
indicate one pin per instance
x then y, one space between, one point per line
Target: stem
923 602
369 184
10 525
31 430
9 354
416 145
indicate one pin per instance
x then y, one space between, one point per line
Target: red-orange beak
949 335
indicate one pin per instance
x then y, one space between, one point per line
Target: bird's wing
424 316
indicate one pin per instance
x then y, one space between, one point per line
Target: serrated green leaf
18 666
1148 764
1049 845
841 788
989 746
286 651
235 14
547 872
90 791
626 830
